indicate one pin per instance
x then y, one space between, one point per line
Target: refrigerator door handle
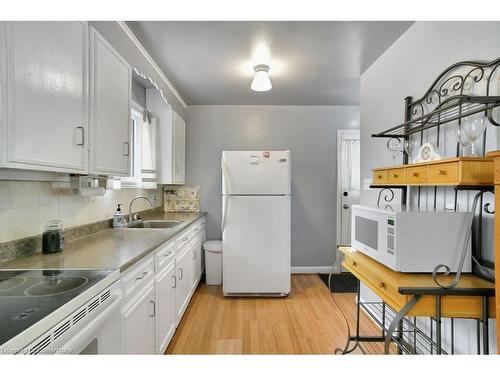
225 197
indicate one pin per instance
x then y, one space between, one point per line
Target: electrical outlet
154 198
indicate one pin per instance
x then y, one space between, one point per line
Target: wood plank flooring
307 322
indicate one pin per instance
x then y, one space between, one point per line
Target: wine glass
473 127
463 140
395 147
411 146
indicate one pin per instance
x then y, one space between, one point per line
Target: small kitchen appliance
411 240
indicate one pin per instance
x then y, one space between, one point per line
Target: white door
256 241
179 145
256 172
184 265
348 182
47 95
111 81
165 306
195 251
138 324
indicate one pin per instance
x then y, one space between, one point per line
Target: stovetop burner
26 296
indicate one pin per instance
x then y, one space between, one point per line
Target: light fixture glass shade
261 81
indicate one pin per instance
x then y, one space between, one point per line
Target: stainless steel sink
154 224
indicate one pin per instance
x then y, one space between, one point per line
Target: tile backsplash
25 207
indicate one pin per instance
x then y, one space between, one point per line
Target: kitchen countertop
110 248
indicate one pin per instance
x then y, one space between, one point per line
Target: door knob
345 206
345 193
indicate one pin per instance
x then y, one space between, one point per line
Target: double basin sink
154 224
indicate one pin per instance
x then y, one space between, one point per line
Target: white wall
408 68
310 134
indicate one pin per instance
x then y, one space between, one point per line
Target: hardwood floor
307 322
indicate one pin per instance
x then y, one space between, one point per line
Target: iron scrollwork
388 197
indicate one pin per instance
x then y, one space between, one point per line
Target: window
134 180
143 139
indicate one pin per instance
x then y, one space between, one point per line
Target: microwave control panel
390 234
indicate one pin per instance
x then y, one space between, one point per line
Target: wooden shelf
387 283
462 171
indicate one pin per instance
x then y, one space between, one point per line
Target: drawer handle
141 276
181 274
185 239
354 264
168 254
153 305
379 176
194 255
395 175
196 229
381 285
414 174
442 172
174 281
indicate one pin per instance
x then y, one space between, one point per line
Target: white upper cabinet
179 146
43 83
111 82
170 140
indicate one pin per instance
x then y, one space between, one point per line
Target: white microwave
408 240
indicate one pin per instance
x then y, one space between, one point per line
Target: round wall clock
427 152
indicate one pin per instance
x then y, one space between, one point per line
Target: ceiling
312 63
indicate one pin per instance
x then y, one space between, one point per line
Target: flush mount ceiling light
261 81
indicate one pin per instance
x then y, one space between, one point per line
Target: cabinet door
165 308
47 91
184 265
111 81
178 149
138 323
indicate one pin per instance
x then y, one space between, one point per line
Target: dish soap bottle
119 220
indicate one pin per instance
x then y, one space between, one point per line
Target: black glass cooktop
27 296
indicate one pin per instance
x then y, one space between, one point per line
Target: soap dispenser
119 220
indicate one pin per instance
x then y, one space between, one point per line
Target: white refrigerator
256 223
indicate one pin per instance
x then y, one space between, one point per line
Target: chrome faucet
132 201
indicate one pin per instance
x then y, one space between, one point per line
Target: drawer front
497 171
443 173
137 277
380 177
417 175
378 283
396 176
182 240
165 255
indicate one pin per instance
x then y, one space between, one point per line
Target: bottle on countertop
53 237
119 220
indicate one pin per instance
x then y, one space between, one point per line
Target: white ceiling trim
150 59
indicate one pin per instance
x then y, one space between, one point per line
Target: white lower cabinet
166 319
184 269
138 323
157 291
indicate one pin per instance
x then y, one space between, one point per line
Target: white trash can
213 262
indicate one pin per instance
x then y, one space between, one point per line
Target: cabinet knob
442 172
395 175
354 264
414 174
381 285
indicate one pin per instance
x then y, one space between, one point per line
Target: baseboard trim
312 269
